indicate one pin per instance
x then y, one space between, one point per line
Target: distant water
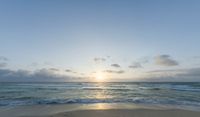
181 94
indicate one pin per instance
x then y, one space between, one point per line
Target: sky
99 40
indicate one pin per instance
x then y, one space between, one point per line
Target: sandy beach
128 113
97 110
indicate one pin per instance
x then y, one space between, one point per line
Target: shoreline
62 110
126 113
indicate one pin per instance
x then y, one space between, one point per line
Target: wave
107 88
86 93
136 100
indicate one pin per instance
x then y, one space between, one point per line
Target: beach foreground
98 110
128 113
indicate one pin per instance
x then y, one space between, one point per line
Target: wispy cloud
139 63
196 57
68 70
114 71
54 69
165 60
2 58
3 61
115 65
74 72
99 59
135 65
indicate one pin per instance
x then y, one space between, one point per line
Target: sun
99 77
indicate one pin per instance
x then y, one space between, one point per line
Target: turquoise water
181 94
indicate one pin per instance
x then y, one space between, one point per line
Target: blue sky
87 37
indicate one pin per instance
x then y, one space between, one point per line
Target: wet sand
96 110
128 113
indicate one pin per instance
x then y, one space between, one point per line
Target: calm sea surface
181 94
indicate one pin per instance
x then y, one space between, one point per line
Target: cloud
3 61
71 71
135 65
68 70
192 72
54 69
113 71
196 57
165 60
82 74
47 75
7 75
144 60
40 75
2 58
34 64
3 64
115 65
139 63
98 59
108 56
174 75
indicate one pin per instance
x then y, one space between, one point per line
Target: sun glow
99 77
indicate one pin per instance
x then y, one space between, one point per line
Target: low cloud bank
40 75
176 75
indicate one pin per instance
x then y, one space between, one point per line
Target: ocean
177 94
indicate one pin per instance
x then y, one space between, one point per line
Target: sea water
177 94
